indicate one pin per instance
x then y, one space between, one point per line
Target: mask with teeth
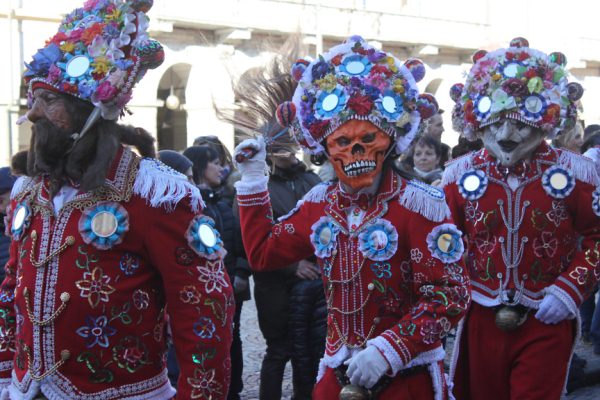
511 141
357 150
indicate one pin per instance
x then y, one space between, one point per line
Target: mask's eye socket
369 137
342 141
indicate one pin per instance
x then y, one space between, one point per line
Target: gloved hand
365 368
552 310
239 284
255 167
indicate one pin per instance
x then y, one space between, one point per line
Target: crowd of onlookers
290 302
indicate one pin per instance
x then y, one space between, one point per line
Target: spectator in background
571 139
590 130
206 170
425 154
434 127
228 173
178 162
6 183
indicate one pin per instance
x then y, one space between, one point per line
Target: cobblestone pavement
254 350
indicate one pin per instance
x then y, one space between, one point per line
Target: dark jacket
228 226
308 328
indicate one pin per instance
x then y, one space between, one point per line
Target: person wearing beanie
389 254
178 162
530 215
107 246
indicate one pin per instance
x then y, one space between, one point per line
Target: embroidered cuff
389 352
565 298
252 185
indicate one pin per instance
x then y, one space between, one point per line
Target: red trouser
418 386
530 362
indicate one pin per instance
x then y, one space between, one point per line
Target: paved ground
254 345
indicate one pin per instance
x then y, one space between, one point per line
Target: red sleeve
200 304
272 245
577 282
442 290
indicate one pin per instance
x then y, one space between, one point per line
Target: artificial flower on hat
355 81
518 83
98 54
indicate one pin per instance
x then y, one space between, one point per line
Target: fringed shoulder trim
162 186
317 194
426 200
21 185
456 168
581 167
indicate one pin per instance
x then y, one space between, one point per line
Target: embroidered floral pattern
416 255
184 256
558 213
204 328
189 294
141 299
130 354
204 385
382 270
95 287
545 246
580 274
129 263
213 276
96 331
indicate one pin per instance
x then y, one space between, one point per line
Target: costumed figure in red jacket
390 257
530 215
103 240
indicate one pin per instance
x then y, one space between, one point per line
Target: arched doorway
171 118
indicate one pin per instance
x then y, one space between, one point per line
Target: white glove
365 368
255 167
552 310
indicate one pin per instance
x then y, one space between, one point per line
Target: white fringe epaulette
426 200
162 186
581 167
456 168
315 195
21 184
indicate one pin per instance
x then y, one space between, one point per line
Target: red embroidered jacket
84 303
394 281
543 235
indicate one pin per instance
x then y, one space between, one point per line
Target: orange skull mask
357 150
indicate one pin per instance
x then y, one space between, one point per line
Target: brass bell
353 392
508 319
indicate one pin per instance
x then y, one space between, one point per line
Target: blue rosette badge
104 225
204 239
379 241
445 243
20 221
558 182
324 237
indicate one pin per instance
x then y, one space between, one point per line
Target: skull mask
357 150
511 141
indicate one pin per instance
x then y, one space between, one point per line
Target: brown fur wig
87 161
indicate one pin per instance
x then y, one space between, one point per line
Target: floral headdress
98 54
518 83
355 81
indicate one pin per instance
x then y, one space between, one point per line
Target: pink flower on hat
105 91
